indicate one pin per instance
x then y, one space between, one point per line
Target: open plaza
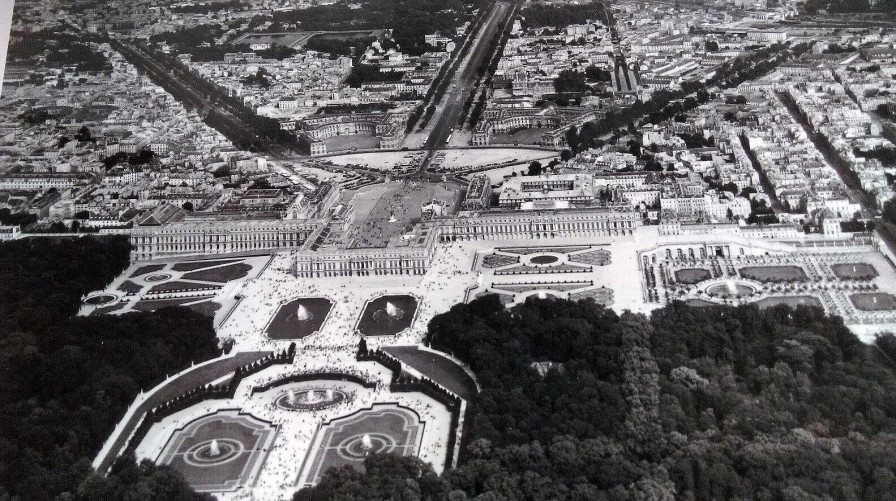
449 160
386 211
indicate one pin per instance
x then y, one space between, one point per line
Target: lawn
774 273
792 301
873 301
155 304
854 271
198 265
177 285
149 268
222 274
692 275
436 367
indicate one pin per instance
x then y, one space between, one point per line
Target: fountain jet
302 314
214 449
731 287
366 443
391 309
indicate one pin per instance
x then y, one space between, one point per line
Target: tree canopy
537 15
410 20
570 81
67 380
692 403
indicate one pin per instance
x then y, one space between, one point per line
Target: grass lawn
692 275
774 273
873 301
222 274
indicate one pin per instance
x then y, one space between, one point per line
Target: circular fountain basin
730 291
101 299
358 447
310 399
543 295
544 259
213 452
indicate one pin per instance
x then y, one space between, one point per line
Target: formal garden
350 440
219 452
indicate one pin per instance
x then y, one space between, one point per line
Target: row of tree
225 113
666 105
485 71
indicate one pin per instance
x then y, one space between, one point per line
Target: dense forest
198 41
846 6
409 20
539 15
354 46
22 219
886 156
59 48
66 380
691 403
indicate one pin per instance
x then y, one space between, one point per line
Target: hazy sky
5 22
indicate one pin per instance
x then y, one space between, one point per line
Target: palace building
364 262
389 128
403 256
560 190
614 221
211 237
555 122
412 257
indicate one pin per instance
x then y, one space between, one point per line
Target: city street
449 110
